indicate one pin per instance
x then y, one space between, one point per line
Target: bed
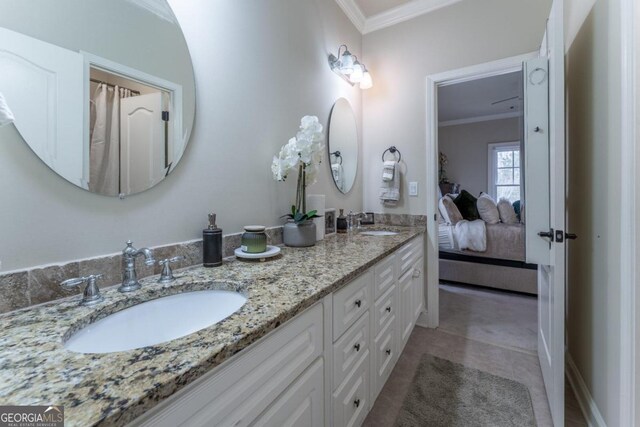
502 265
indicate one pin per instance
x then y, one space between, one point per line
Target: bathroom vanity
315 342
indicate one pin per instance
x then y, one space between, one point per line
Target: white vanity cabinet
325 367
255 384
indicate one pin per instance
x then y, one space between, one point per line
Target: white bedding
471 235
503 241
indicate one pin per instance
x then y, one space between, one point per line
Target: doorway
434 82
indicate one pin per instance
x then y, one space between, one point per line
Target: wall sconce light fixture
350 69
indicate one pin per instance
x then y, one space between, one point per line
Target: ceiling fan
507 99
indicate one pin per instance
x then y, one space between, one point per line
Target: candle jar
254 239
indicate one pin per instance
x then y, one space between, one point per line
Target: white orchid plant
303 153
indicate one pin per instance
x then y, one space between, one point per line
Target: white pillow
488 209
507 213
449 211
522 214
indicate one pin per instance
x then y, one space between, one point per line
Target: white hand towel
388 169
338 173
390 190
6 116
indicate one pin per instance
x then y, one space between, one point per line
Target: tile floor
504 353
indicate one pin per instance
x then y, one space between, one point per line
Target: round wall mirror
343 145
102 91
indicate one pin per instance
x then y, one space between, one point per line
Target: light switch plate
413 189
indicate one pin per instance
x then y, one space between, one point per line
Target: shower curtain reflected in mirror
104 168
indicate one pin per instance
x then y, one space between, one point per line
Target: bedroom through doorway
487 291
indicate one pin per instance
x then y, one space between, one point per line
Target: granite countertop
116 388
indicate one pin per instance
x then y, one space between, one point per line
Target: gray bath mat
448 394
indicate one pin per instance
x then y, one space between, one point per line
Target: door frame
460 75
629 187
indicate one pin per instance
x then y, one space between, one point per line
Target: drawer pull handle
416 273
388 351
356 403
358 303
389 309
357 347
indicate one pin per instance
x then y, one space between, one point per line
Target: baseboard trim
588 406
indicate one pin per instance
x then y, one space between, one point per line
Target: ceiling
372 15
476 100
374 7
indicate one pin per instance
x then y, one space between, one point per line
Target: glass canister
254 239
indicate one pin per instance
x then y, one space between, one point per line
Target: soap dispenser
341 223
212 244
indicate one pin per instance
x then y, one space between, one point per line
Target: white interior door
545 195
43 86
142 142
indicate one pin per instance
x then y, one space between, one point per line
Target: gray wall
593 105
466 147
259 67
402 56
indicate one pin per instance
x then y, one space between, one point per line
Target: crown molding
392 16
353 12
403 13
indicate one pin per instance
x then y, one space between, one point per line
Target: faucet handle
91 293
167 274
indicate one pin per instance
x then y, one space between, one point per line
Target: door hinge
165 116
559 236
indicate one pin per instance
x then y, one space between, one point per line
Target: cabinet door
406 321
418 288
236 393
302 404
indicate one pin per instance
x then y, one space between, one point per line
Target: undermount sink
378 233
156 321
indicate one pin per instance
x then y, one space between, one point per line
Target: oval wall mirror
102 91
343 145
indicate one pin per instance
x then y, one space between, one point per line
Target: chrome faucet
91 295
358 217
129 278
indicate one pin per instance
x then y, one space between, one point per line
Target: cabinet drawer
302 404
235 393
384 275
350 348
350 302
384 357
351 401
385 308
408 255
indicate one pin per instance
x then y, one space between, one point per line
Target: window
504 171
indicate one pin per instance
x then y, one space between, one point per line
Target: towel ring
392 150
337 154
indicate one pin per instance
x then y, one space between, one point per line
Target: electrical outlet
413 189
